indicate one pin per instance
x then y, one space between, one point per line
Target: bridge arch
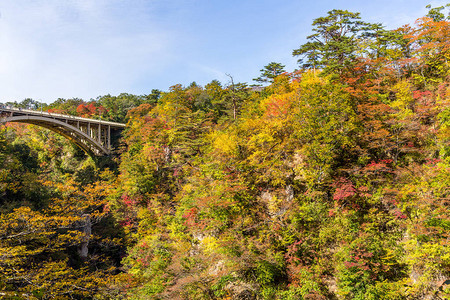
70 132
92 135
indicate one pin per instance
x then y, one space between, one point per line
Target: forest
328 182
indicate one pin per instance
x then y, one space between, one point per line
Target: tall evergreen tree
334 44
269 72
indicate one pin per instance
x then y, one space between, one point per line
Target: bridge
93 136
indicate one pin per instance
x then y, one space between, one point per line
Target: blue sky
53 49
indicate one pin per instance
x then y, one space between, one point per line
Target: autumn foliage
332 182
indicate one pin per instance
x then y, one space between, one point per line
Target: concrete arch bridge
93 136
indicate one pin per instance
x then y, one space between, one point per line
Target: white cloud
51 49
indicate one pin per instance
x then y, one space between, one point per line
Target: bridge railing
55 115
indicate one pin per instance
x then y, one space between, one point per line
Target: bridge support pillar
109 137
99 137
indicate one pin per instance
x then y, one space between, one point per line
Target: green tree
28 103
236 94
153 97
334 44
65 106
269 72
117 107
436 14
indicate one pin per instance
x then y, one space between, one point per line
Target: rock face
217 269
83 250
289 193
242 290
278 202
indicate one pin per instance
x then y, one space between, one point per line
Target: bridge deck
20 111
